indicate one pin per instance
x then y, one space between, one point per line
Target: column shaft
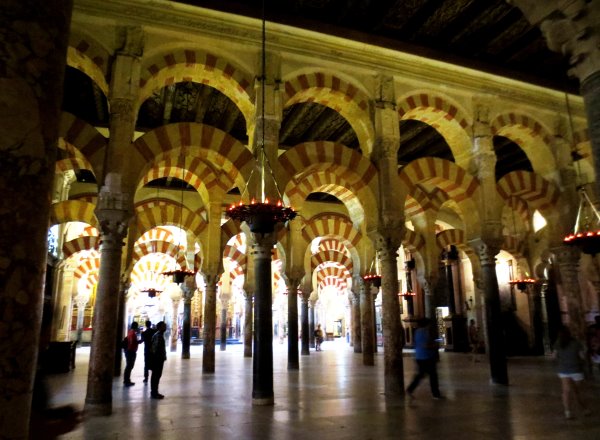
186 327
366 318
223 327
210 323
248 319
305 327
262 379
293 358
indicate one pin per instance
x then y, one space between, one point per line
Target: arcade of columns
420 209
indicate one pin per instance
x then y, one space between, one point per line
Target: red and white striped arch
83 243
200 66
331 256
332 225
147 271
537 192
143 248
151 215
83 137
332 275
531 135
445 115
333 92
413 240
73 211
87 270
87 55
455 237
202 143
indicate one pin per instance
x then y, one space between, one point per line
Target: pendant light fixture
520 283
373 276
586 232
262 215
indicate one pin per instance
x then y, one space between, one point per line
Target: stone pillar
293 358
210 322
428 285
248 319
544 310
305 332
567 260
311 322
81 300
572 28
176 299
374 308
366 321
113 214
357 286
33 43
494 334
188 287
387 242
262 379
224 305
121 327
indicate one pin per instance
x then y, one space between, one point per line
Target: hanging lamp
586 232
179 274
520 283
262 216
372 276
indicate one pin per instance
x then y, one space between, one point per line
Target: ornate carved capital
388 237
486 250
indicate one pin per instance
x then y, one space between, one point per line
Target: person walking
159 356
318 337
147 334
130 353
570 355
426 357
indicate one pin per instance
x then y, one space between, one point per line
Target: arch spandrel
445 115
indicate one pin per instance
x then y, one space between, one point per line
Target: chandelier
179 274
372 276
262 216
586 233
151 291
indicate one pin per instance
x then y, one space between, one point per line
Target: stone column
121 327
176 299
387 242
33 43
113 214
428 284
494 334
305 327
248 319
572 28
357 286
366 321
188 287
311 322
567 260
293 359
210 322
81 300
224 305
544 310
262 379
374 308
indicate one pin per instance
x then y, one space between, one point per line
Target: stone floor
333 396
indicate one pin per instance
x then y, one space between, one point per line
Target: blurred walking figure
570 354
426 356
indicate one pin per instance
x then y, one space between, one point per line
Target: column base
293 366
185 355
97 409
263 401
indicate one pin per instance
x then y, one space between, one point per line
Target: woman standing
570 356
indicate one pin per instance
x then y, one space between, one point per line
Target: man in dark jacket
147 338
159 356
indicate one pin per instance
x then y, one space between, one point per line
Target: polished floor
332 397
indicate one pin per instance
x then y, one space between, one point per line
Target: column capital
566 254
387 238
211 278
486 250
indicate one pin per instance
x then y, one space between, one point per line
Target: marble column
305 332
121 327
311 322
366 318
357 285
210 322
113 215
293 358
544 311
567 261
176 298
374 308
495 337
387 242
248 319
223 328
33 43
571 28
262 378
188 287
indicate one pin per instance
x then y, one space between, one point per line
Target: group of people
155 354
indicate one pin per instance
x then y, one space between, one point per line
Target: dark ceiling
489 35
